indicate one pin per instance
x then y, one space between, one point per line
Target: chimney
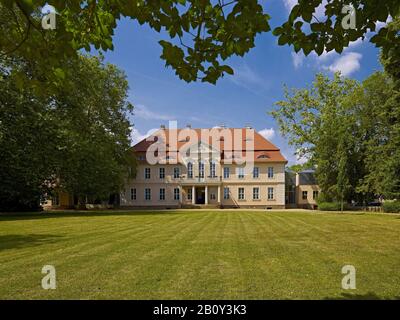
162 127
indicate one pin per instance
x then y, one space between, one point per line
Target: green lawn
200 255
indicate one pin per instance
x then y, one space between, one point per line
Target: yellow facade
208 190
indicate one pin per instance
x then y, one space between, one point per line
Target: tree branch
21 43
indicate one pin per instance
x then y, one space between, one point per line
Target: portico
204 194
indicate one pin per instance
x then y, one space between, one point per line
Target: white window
176 194
226 172
213 196
256 172
256 193
315 194
190 170
190 194
226 193
55 200
176 173
162 194
270 172
212 169
304 195
162 173
270 193
240 172
201 170
133 194
147 194
241 193
147 173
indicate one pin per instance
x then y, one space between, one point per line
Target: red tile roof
228 141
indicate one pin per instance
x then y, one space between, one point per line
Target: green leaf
307 16
294 13
59 73
283 39
227 69
277 31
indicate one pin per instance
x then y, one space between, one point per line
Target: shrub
329 206
391 206
324 197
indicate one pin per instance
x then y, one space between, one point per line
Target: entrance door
201 196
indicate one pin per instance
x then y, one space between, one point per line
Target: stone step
200 206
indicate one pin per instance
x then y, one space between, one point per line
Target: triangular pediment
199 151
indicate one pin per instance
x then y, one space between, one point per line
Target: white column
193 195
219 194
206 195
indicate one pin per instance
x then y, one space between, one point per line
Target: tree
75 139
381 138
343 183
203 33
307 32
300 167
27 140
390 55
321 123
350 131
95 129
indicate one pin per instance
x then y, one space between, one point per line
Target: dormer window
184 140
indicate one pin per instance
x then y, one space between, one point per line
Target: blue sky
242 99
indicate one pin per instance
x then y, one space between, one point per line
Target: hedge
329 206
391 206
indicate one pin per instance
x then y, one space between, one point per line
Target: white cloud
346 64
48 8
267 133
298 59
381 24
325 56
289 4
300 159
319 11
245 76
143 112
355 43
249 79
137 136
